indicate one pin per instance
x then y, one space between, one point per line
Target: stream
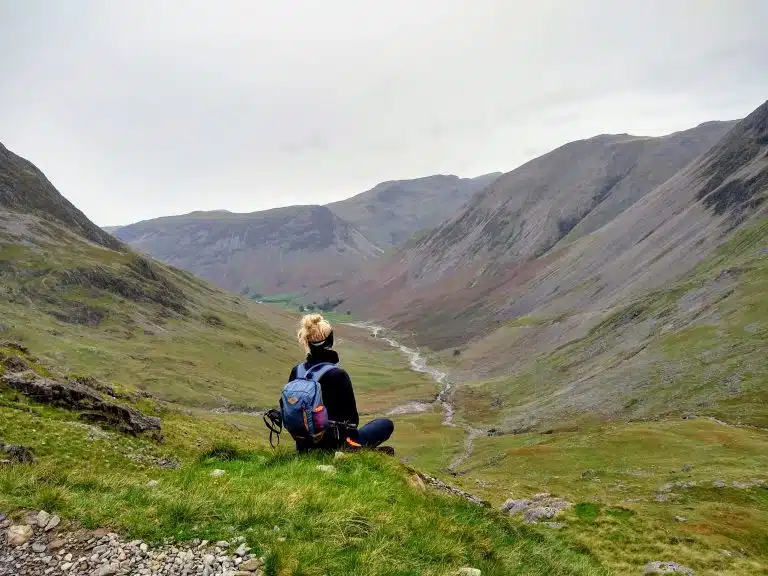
418 363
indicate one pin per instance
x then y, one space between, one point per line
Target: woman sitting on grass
316 337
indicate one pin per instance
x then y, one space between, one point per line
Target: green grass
223 351
615 512
649 357
364 519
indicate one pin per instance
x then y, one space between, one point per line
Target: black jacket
338 397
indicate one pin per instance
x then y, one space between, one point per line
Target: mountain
550 201
285 250
24 189
391 212
550 304
299 250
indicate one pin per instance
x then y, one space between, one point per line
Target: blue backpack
301 403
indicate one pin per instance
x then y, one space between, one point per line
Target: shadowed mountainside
24 188
300 250
285 250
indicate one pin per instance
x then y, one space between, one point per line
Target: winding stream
418 363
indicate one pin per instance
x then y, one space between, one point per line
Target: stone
68 557
19 534
143 547
217 472
541 496
152 484
107 570
42 518
539 512
469 571
209 559
516 506
415 482
242 550
718 484
681 519
327 468
588 474
339 456
52 523
555 525
56 544
66 566
741 485
222 544
658 567
686 468
76 396
38 547
251 565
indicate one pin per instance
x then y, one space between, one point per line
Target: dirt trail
419 364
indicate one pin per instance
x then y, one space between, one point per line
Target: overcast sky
139 109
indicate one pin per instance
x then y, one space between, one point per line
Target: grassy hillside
696 347
141 325
364 518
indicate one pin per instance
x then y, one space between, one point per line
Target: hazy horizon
147 109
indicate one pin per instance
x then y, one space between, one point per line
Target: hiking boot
388 450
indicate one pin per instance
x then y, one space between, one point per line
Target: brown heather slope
465 270
599 325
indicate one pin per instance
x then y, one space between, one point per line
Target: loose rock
19 534
52 523
327 468
468 571
42 518
217 472
251 565
541 506
658 567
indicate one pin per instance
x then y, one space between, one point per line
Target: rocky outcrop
75 396
14 454
540 507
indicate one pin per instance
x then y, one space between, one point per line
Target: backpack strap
319 370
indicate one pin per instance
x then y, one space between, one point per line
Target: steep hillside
510 299
286 250
391 212
24 188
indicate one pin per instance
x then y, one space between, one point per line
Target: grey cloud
139 109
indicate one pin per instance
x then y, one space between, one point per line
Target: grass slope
364 519
88 310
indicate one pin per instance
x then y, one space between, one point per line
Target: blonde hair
313 328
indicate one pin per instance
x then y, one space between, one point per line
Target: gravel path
33 547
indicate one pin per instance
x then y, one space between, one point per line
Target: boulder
76 396
19 534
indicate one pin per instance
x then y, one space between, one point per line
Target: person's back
316 337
